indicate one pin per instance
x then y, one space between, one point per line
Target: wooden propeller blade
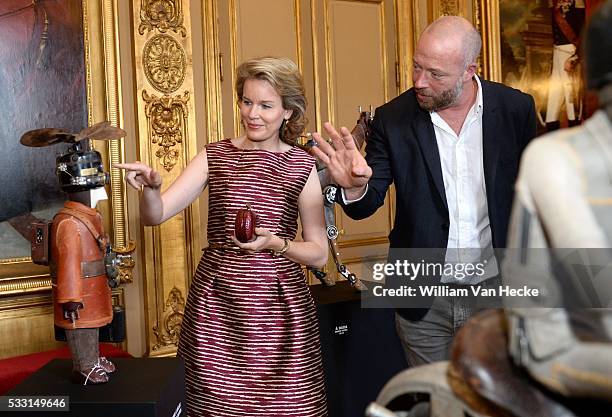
45 137
101 131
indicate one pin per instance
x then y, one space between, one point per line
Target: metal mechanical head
80 167
597 46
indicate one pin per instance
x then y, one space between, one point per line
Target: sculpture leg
544 342
85 350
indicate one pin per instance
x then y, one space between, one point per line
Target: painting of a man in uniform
540 54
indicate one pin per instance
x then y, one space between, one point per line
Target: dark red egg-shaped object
245 224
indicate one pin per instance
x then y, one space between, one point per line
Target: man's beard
443 100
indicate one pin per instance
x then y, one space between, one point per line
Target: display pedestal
360 348
141 387
17 368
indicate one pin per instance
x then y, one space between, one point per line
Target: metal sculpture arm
331 195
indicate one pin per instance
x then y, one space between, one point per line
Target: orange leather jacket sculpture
78 261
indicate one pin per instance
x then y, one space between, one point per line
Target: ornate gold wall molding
212 70
167 121
406 32
161 15
168 333
126 262
486 19
166 142
25 285
449 8
164 62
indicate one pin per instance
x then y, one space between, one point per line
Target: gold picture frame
19 276
486 19
521 42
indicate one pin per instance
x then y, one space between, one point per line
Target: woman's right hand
140 175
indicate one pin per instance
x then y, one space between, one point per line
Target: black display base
361 350
141 387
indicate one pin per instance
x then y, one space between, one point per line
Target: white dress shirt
461 158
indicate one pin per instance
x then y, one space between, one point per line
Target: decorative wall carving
438 8
167 121
126 262
168 334
449 8
164 63
164 89
161 15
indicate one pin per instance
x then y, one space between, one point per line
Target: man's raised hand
346 166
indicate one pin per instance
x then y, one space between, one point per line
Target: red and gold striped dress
250 336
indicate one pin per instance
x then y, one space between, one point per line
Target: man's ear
470 71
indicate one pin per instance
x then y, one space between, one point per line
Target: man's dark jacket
402 149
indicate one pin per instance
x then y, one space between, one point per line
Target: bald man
451 145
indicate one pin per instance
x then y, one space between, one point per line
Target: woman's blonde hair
284 76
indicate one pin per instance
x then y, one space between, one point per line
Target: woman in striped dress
250 336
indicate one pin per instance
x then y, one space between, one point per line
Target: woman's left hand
265 240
